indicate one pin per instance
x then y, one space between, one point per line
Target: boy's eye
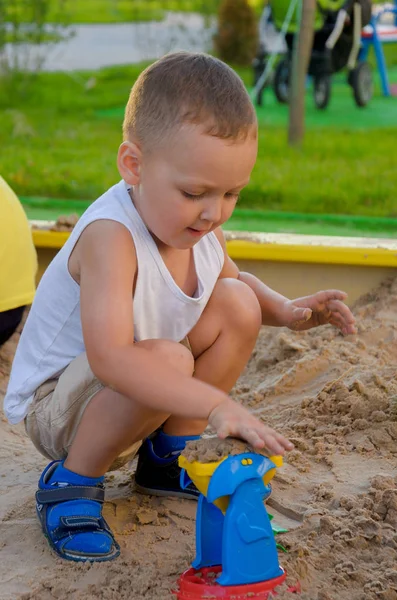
231 195
192 196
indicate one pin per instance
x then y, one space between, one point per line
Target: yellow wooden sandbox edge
305 253
282 248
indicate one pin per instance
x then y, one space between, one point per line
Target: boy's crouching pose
141 325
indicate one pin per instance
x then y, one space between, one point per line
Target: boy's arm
107 266
299 314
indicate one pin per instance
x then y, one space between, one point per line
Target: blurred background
67 66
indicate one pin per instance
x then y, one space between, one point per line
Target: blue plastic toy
240 539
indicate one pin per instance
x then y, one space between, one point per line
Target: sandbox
335 397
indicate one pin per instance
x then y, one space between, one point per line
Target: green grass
243 219
60 140
111 11
119 11
27 37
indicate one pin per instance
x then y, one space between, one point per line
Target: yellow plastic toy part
201 473
278 461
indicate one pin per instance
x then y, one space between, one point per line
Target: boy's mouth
196 232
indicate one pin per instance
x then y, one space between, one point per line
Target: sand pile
337 493
212 449
65 223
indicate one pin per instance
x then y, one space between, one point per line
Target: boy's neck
162 248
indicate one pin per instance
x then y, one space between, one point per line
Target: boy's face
190 186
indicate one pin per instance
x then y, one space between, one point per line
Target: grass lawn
28 37
60 141
119 11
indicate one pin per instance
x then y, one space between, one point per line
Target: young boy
142 324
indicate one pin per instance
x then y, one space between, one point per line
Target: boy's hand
321 308
232 419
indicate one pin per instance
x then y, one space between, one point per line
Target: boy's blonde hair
185 87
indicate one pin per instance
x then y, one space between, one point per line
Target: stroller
336 44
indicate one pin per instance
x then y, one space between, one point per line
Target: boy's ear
129 162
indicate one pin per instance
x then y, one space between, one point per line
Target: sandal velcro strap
70 526
70 492
82 522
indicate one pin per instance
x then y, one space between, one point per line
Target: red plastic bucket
200 584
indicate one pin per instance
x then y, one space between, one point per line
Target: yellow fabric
18 260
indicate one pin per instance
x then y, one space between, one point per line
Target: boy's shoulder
112 204
113 193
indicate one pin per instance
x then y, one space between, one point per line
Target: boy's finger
300 315
337 316
252 437
284 442
337 321
343 327
273 443
339 307
350 330
341 323
318 300
346 328
327 295
223 432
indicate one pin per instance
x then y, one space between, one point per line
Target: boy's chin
183 242
185 245
179 244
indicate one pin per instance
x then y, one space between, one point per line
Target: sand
65 223
337 493
211 449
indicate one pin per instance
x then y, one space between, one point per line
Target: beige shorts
58 407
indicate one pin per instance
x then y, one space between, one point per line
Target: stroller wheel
322 90
259 96
259 65
281 81
362 83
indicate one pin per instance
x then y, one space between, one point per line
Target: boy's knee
239 304
173 353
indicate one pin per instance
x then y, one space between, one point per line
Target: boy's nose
212 211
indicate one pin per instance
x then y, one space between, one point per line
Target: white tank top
52 336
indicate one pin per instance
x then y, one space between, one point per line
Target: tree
24 27
237 38
300 62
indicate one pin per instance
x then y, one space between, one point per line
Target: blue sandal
71 519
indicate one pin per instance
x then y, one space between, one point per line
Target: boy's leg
70 495
222 343
130 421
70 513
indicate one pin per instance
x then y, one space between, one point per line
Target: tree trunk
300 62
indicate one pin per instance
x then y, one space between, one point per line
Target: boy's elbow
98 368
107 362
100 361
